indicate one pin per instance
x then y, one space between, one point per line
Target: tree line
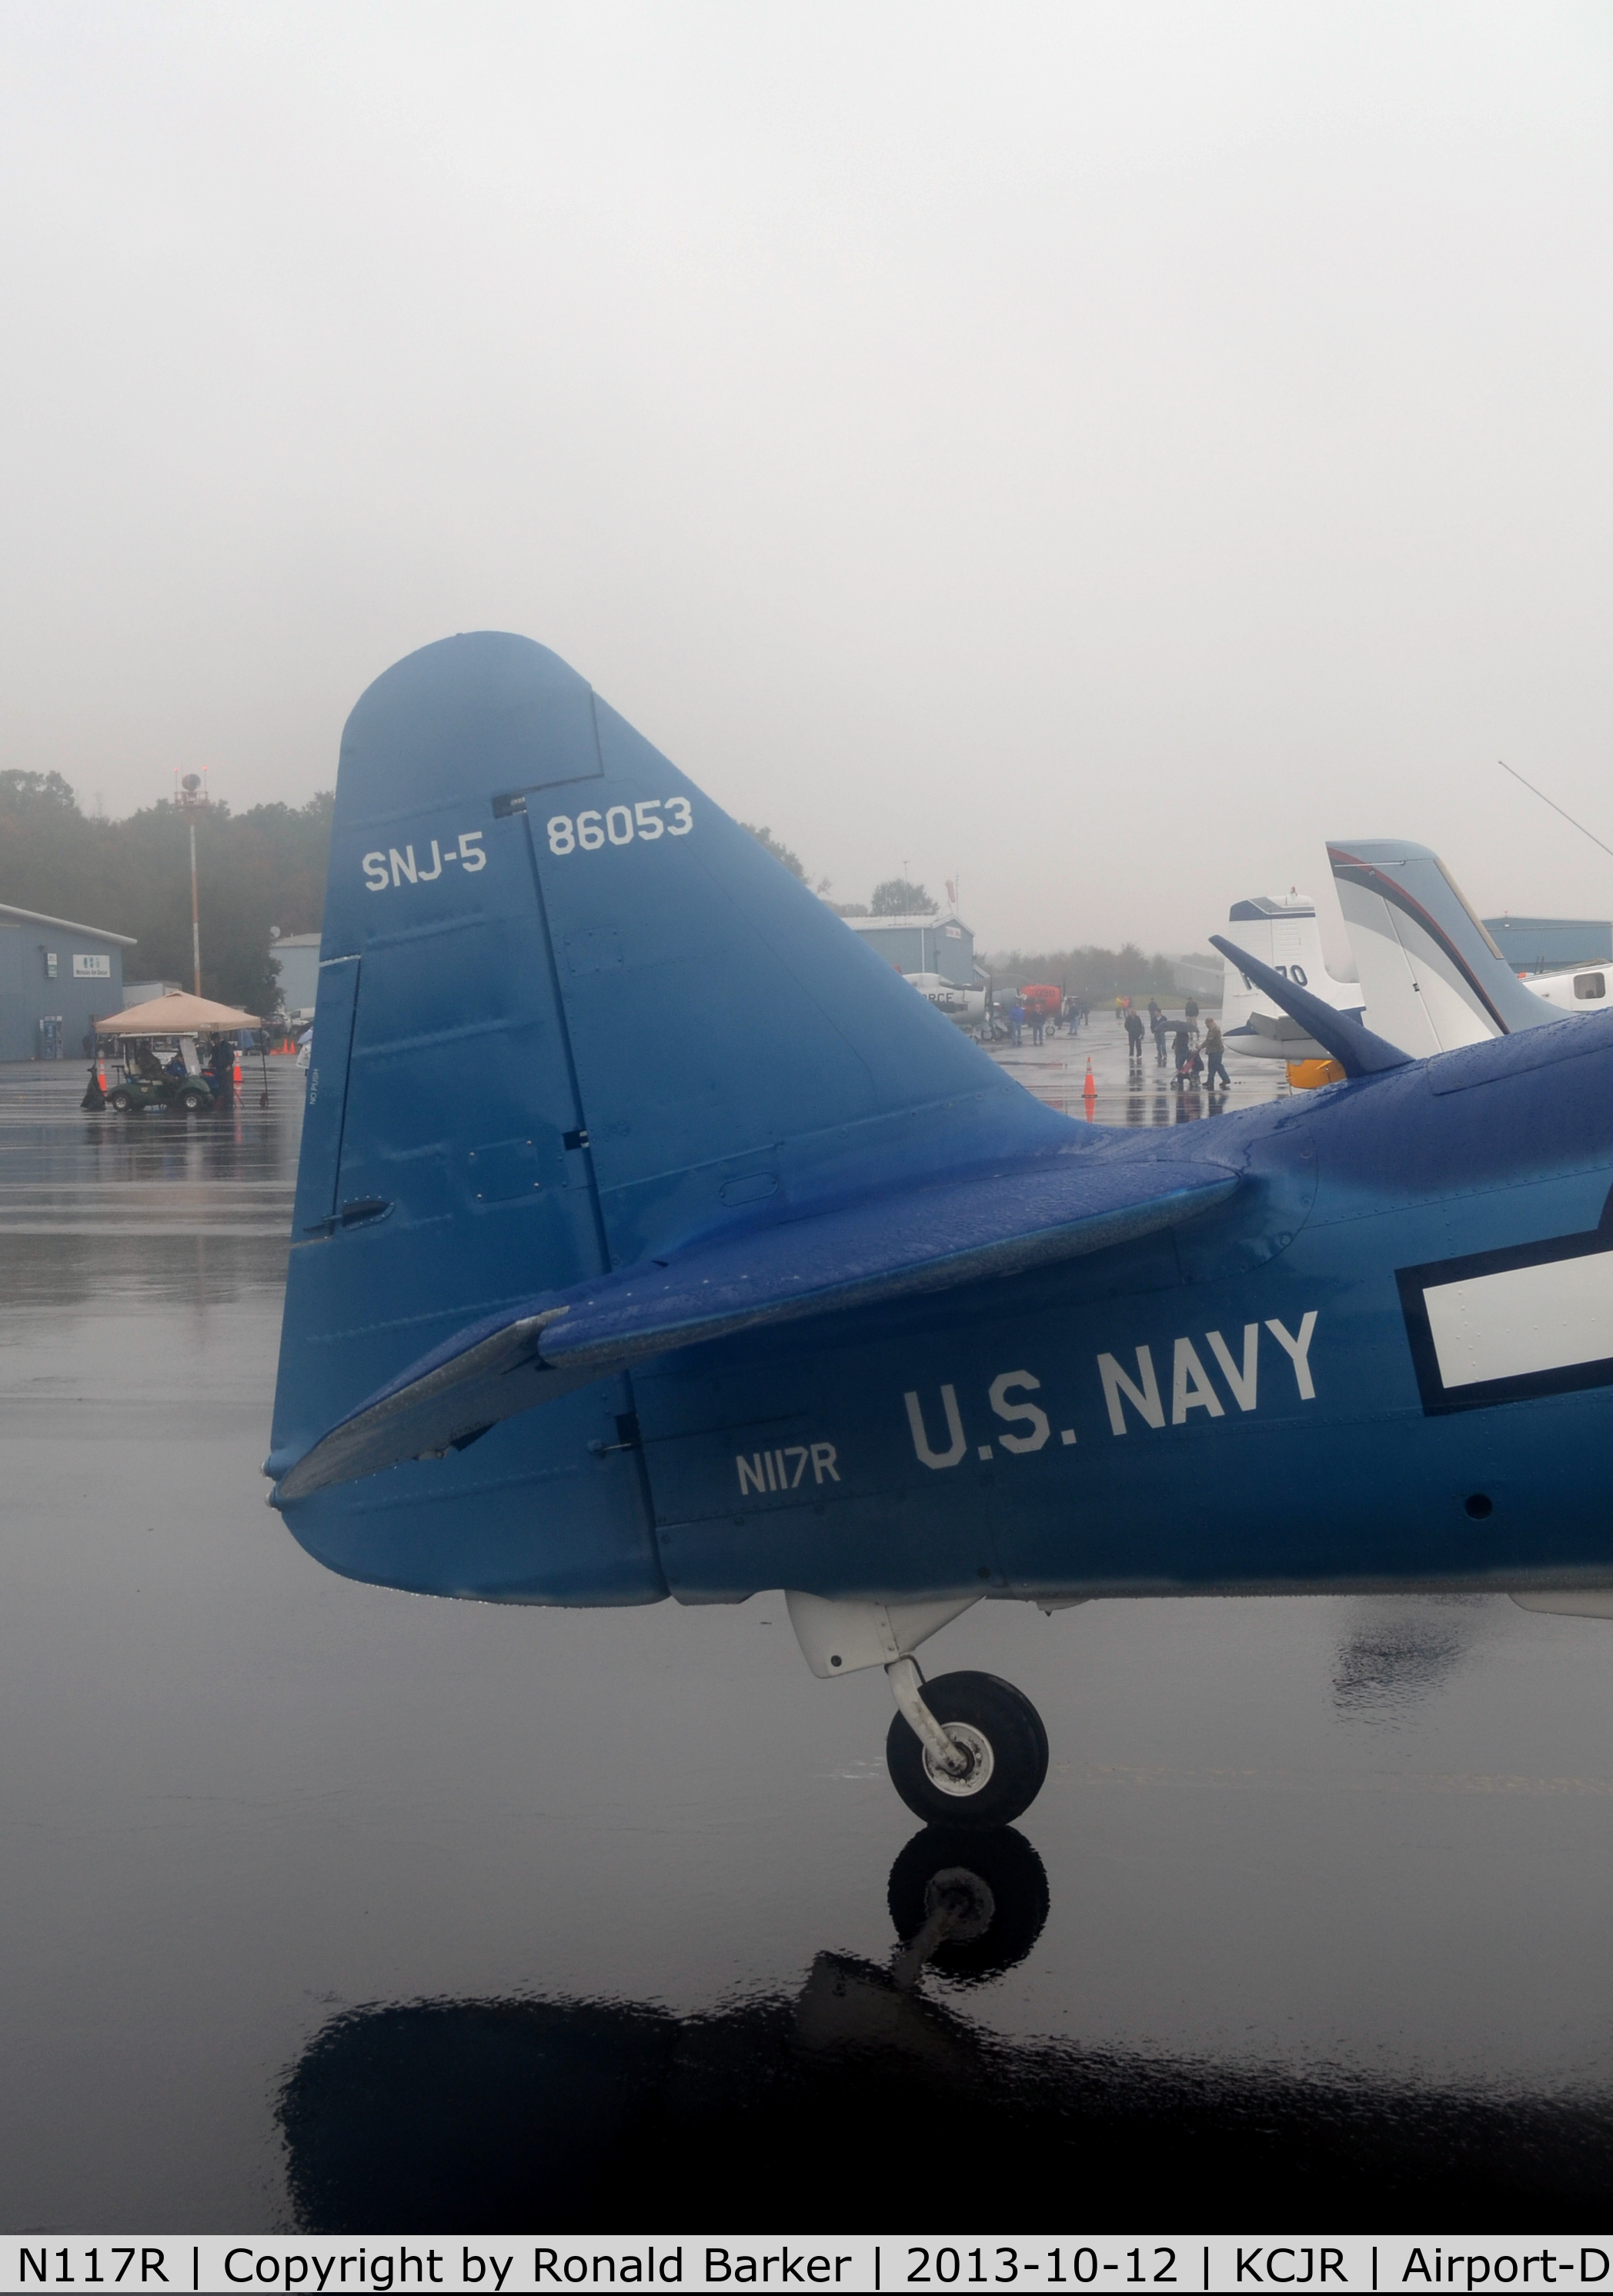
255 870
266 867
1096 975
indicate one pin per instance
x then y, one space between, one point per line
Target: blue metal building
1552 944
297 955
942 945
55 978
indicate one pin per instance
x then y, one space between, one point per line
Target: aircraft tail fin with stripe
1431 975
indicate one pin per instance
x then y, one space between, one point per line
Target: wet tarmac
1127 1091
331 1907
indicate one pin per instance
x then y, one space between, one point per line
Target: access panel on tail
571 1017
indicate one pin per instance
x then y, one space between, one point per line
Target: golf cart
150 1059
139 1087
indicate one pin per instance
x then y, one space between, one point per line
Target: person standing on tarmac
1214 1063
1016 1020
1135 1038
1158 1023
220 1072
1192 1010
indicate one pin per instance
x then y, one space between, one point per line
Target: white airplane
967 1006
1429 974
1282 932
1584 989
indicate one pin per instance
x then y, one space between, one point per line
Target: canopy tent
177 1014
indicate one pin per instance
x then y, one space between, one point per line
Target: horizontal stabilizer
887 1248
1358 1052
1274 1035
487 1372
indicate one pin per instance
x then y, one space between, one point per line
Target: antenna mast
190 797
1544 799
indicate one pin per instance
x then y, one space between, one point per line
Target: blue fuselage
1151 1460
1334 1381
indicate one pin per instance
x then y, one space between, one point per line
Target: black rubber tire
195 1102
1011 1726
120 1100
1011 1871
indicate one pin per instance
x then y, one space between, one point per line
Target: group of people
1195 1052
1041 1020
1192 1065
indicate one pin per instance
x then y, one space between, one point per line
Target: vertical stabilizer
1432 977
1283 932
571 1017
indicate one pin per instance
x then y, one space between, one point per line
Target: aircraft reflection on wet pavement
863 2099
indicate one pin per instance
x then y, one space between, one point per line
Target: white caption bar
724 2262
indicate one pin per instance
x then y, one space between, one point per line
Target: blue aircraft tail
571 1019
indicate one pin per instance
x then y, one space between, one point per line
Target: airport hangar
297 957
56 979
941 944
1552 944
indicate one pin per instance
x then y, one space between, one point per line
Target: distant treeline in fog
1099 975
254 870
266 867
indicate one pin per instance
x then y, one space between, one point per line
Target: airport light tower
190 797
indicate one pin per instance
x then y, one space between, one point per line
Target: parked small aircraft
1282 931
653 1238
1430 975
966 1006
1583 989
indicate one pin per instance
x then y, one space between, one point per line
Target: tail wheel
999 1730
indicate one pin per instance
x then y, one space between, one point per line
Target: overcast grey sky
1103 450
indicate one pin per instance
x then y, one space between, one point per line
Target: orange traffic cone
1089 1090
237 1076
